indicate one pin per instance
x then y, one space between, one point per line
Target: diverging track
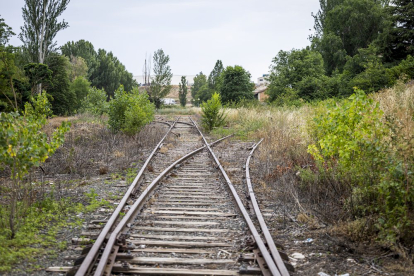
180 218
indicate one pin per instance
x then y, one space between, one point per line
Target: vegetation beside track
347 162
39 228
60 187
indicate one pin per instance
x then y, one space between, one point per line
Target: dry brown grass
287 134
91 149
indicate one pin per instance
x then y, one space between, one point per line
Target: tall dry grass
287 132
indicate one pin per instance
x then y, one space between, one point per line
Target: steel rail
260 244
270 243
92 254
137 204
165 123
184 123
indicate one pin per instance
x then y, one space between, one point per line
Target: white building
262 80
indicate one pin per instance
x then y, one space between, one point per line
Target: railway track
181 216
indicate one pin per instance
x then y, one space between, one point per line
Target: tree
344 26
236 84
37 73
215 74
398 42
7 69
80 87
78 68
199 81
95 102
7 73
105 71
5 32
24 145
83 49
182 91
41 26
204 94
212 113
64 99
161 82
129 112
295 70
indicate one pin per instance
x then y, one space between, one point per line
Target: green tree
41 26
236 84
203 94
398 42
5 32
105 71
83 49
9 96
129 112
7 72
344 26
161 82
78 68
213 114
23 145
95 102
64 99
182 91
80 87
215 74
199 81
300 70
37 73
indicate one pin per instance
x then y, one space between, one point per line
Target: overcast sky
194 33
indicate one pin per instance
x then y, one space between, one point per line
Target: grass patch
178 110
37 235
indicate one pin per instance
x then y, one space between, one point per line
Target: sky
195 34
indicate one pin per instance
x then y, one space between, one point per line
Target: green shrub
80 87
212 113
23 145
355 145
129 112
95 102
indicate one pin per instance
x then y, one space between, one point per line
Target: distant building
260 93
261 87
168 101
175 80
263 80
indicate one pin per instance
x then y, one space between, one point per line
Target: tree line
365 44
232 83
66 73
357 43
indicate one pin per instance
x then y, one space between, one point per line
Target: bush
23 145
95 102
80 87
129 112
212 113
356 146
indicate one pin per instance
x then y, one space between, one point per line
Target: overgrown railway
181 216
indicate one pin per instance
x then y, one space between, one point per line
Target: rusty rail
109 249
268 259
270 243
85 268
